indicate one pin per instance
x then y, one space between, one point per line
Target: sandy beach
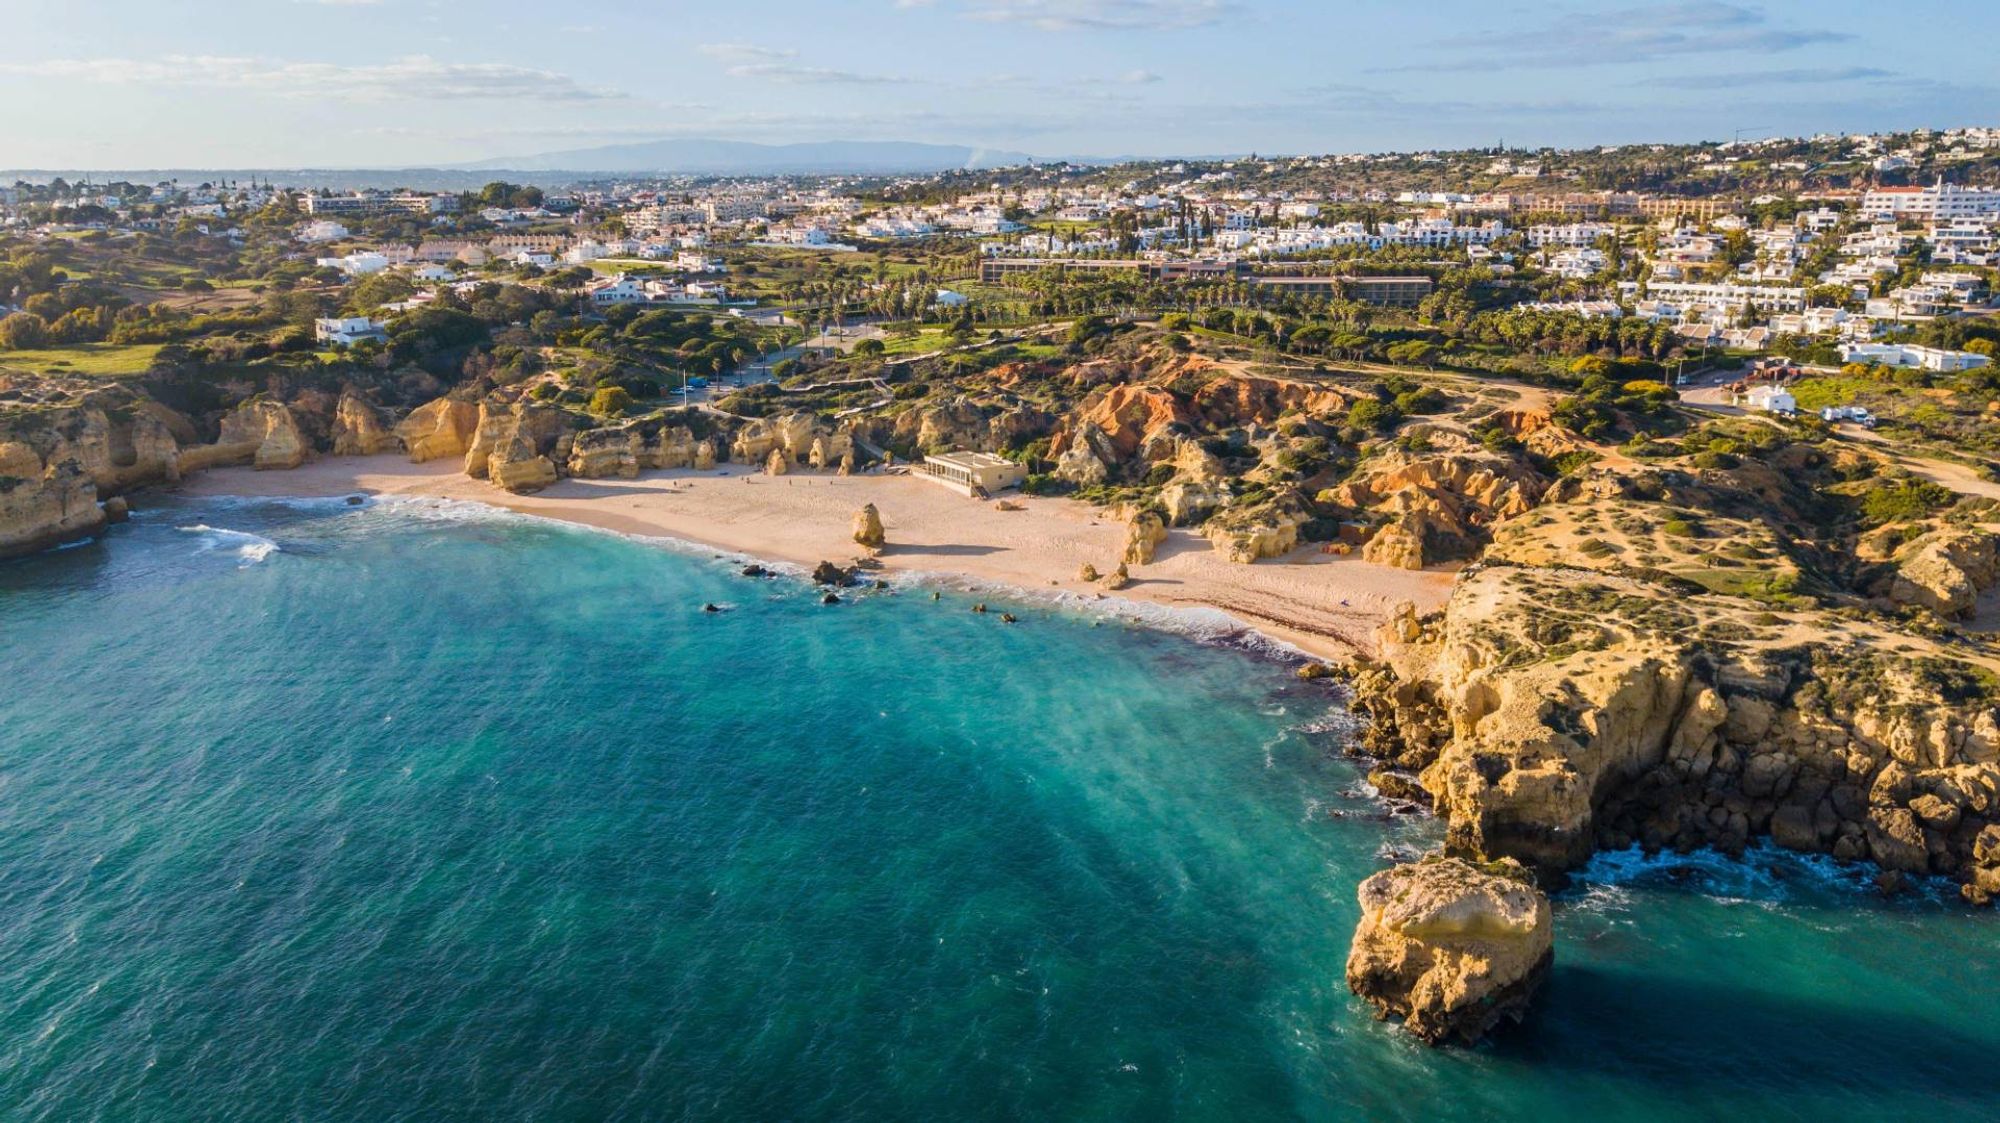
1322 604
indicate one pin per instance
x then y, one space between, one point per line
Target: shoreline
1327 607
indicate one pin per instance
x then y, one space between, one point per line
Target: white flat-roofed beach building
974 473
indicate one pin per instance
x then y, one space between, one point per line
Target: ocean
424 811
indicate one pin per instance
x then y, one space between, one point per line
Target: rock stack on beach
868 527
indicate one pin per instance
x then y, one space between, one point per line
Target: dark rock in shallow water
754 570
1398 786
827 573
710 608
830 598
355 501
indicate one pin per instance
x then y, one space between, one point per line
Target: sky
410 83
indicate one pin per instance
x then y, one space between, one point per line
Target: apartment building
1730 297
367 203
1912 357
1941 201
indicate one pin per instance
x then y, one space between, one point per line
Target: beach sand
1325 605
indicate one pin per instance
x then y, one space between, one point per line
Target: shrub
1424 399
23 331
1373 415
1574 461
1908 499
611 401
1679 528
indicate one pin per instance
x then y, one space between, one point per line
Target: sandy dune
1322 604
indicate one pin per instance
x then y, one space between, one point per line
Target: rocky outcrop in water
66 447
43 504
1449 947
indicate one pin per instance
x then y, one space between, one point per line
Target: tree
23 331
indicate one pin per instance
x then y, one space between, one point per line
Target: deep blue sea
426 812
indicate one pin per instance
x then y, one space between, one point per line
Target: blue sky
274 83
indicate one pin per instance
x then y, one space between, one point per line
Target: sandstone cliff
1436 507
1450 948
1550 711
439 429
65 447
260 432
517 445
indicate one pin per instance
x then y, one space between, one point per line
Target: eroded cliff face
1945 570
59 460
796 439
439 430
517 445
72 443
1438 506
360 429
1549 712
625 450
43 504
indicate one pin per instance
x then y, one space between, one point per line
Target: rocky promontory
1612 675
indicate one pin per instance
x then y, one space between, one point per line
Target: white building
1910 356
1771 399
974 473
1941 201
1732 298
322 230
1570 234
358 264
347 331
621 289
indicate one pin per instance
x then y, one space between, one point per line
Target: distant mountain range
735 157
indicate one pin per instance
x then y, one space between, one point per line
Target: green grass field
108 360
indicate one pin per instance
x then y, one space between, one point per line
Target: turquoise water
429 813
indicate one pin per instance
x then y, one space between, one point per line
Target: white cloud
743 52
417 77
772 64
1104 15
1631 35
